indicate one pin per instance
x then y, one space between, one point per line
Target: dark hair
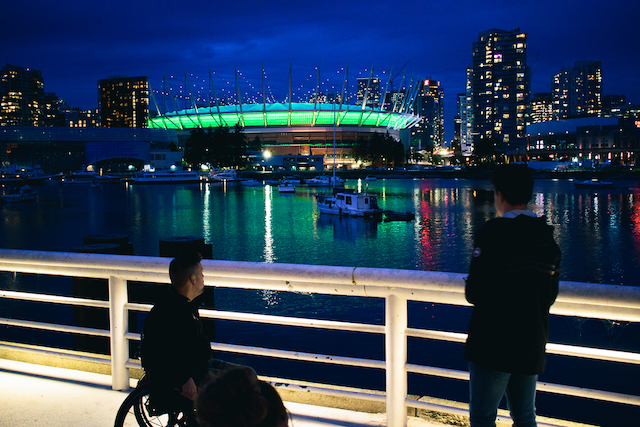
237 398
277 412
182 267
514 181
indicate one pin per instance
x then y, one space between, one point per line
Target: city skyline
82 43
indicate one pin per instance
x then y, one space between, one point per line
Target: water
598 233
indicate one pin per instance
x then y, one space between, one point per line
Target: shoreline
472 173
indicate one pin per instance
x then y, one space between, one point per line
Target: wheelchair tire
135 411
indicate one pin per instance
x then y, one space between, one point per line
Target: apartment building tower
429 132
23 101
577 91
498 92
368 92
541 108
124 102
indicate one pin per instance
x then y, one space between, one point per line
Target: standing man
175 351
512 283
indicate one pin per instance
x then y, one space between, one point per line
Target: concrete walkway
34 395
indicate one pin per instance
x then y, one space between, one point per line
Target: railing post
119 320
396 358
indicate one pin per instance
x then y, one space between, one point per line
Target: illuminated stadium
306 127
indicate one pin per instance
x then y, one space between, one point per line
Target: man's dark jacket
174 347
512 282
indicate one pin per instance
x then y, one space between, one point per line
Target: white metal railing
397 287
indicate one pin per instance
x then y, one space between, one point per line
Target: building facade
124 102
368 92
64 149
577 92
428 133
23 101
590 140
541 108
498 91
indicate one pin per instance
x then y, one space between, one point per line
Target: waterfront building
77 118
124 102
541 108
64 149
23 101
498 91
302 130
577 92
428 133
587 140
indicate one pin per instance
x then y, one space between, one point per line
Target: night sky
76 43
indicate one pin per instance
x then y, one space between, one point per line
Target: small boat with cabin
325 181
286 187
21 194
350 203
229 175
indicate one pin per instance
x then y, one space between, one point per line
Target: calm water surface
598 233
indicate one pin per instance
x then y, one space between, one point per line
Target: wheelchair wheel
136 411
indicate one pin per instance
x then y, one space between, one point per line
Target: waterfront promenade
36 395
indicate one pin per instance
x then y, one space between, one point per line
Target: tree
380 150
219 147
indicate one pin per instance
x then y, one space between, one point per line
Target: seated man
176 354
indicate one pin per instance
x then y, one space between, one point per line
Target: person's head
513 184
186 274
237 398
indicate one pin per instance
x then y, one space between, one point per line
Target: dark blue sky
76 43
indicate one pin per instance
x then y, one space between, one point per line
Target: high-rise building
498 91
429 132
541 108
577 92
124 102
463 125
368 88
23 101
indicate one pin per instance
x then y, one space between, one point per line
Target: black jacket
512 282
174 346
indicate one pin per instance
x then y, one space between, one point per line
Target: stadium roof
283 114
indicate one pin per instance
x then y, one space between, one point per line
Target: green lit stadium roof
283 115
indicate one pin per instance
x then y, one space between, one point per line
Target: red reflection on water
635 220
426 254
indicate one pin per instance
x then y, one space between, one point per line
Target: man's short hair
182 267
515 183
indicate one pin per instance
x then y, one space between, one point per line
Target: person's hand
189 389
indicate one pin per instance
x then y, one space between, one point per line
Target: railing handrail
620 303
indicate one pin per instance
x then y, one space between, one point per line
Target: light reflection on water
598 233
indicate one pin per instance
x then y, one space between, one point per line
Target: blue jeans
486 388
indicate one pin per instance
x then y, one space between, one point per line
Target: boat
286 187
325 181
291 180
166 177
398 216
230 175
370 178
28 175
251 183
21 194
350 203
593 183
